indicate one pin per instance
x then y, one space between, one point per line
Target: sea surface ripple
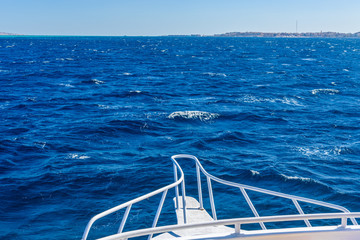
91 122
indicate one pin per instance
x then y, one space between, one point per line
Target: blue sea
87 123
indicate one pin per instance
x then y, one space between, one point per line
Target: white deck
194 215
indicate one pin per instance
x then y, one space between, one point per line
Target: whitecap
215 74
284 100
303 179
253 99
290 101
346 70
308 59
325 91
105 107
127 74
67 85
256 59
321 152
77 156
96 81
135 91
253 172
202 116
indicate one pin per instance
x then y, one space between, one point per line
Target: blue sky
162 17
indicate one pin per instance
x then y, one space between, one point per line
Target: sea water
88 123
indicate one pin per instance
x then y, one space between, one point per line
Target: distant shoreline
9 34
291 35
229 34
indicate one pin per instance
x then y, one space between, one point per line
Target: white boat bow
194 222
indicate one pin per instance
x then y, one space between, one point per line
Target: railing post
237 228
253 209
158 212
176 188
199 186
184 200
343 222
126 214
212 203
300 211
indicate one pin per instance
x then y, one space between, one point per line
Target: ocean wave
76 156
135 91
96 81
323 152
324 91
309 59
284 100
302 179
211 74
314 151
232 137
202 116
66 85
115 107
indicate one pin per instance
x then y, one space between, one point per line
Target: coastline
229 34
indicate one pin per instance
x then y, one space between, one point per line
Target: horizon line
169 35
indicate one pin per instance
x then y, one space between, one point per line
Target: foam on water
215 74
253 172
324 91
68 85
202 116
302 179
77 156
97 82
284 100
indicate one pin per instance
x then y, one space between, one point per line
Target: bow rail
344 216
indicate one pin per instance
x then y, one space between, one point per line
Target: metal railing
236 222
243 188
129 204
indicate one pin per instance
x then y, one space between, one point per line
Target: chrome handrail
129 204
244 187
237 222
209 177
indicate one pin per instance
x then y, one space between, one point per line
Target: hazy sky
162 17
